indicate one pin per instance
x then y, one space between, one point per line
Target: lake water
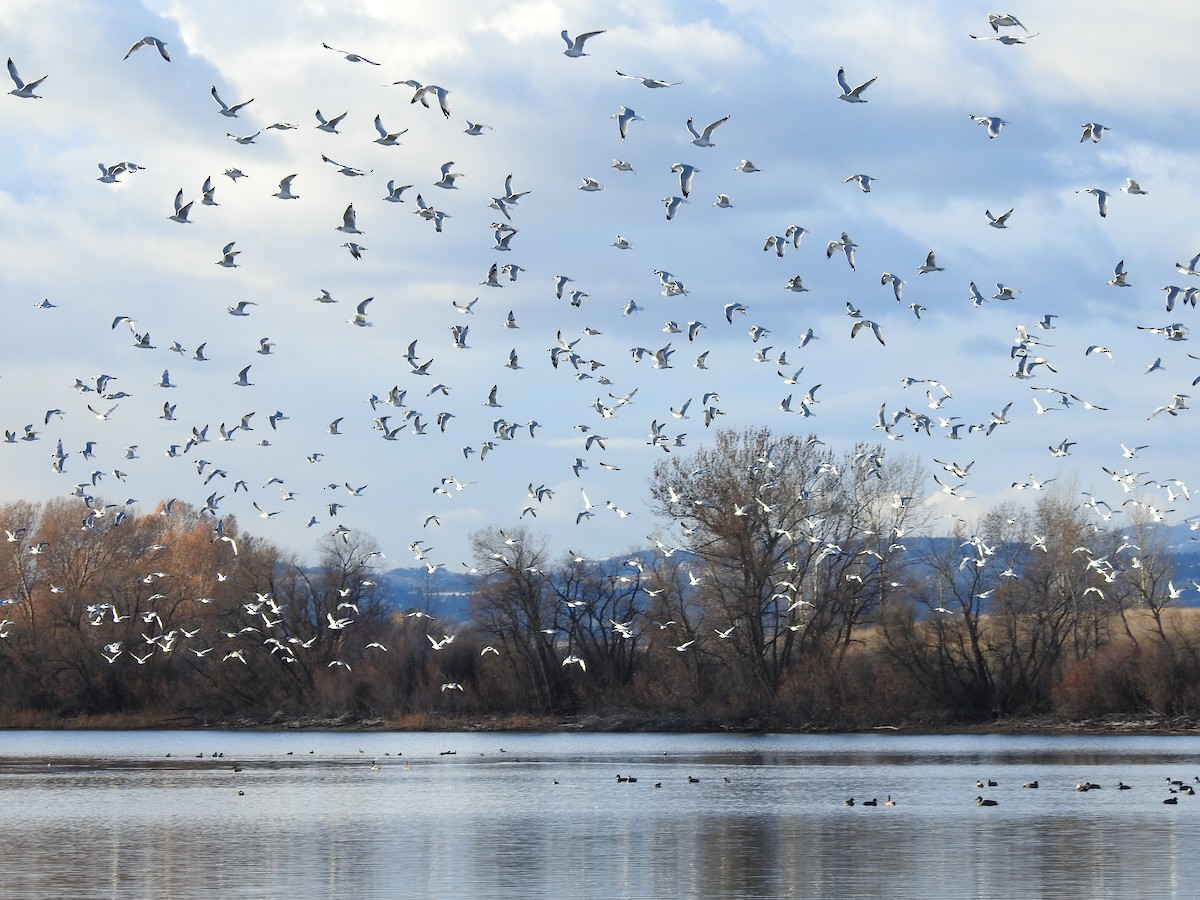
307 815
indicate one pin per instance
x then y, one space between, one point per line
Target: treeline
780 593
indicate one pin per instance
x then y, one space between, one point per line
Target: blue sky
98 251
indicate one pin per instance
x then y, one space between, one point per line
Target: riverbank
630 722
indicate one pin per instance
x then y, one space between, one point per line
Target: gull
1154 366
356 250
704 138
993 124
475 128
930 265
285 188
1189 268
1004 20
208 193
575 46
723 201
685 172
394 192
1000 221
849 94
386 138
329 125
227 255
746 167
234 174
864 182
226 109
352 57
624 117
1132 187
244 139
360 314
1005 39
150 41
1097 348
796 284
846 245
1004 292
591 184
621 243
1063 448
108 174
1093 130
621 166
854 329
422 91
1101 199
1119 276
240 309
896 283
181 209
22 89
649 82
349 224
672 205
348 171
243 379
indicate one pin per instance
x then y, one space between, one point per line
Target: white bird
1000 221
226 109
240 309
849 94
993 124
650 82
243 379
329 125
1101 199
930 265
387 138
864 182
1119 276
746 167
227 256
475 129
394 191
672 205
1133 188
349 222
575 45
22 89
285 188
704 138
360 315
181 209
686 173
1093 130
351 57
591 184
624 117
866 323
348 171
150 41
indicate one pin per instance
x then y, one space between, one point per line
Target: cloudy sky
97 251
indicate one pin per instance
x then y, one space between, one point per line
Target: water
157 815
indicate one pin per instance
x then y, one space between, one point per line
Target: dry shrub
1096 686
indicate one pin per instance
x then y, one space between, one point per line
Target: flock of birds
405 410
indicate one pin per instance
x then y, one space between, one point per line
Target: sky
98 251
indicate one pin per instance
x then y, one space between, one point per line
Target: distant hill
446 594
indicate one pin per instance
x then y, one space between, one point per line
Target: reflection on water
247 815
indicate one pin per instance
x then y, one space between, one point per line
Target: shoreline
1145 725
